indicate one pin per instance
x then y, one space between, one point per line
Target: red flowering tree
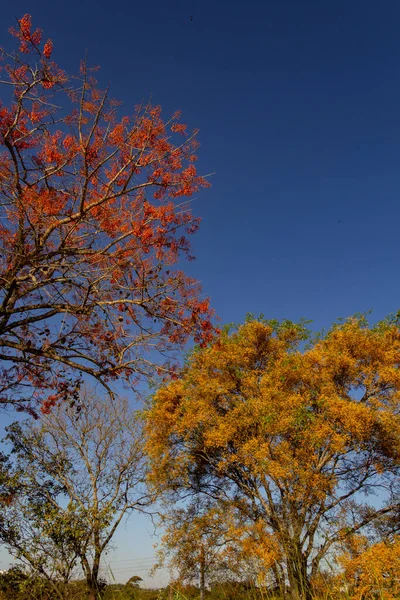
94 212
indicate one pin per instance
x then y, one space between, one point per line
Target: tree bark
95 592
202 573
92 591
299 581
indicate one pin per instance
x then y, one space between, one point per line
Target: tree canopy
92 227
298 438
74 477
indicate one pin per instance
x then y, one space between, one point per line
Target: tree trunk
94 589
279 580
299 580
92 595
92 579
202 573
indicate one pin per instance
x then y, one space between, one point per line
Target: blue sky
298 109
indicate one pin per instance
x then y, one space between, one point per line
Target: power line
130 562
132 566
142 558
146 568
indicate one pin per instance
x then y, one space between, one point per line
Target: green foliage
119 591
72 481
18 584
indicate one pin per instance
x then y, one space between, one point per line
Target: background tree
200 544
36 533
298 439
134 581
79 476
90 232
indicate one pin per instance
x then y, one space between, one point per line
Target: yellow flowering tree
373 571
296 435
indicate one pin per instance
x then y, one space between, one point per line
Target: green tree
18 583
134 581
79 474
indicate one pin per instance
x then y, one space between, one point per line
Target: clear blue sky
298 105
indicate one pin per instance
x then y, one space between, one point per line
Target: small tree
297 439
78 477
200 543
90 231
134 581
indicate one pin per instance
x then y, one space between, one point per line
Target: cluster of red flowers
99 233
